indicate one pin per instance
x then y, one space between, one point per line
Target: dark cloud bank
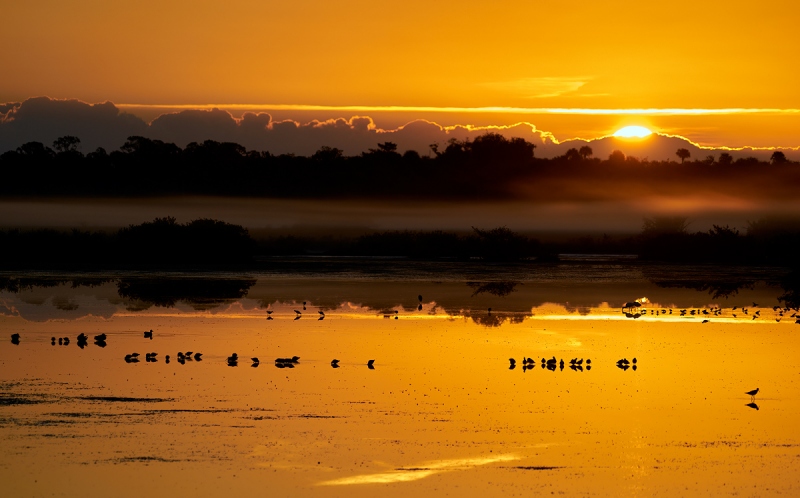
43 120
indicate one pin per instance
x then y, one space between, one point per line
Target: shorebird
101 337
371 364
335 363
752 393
149 335
419 298
514 362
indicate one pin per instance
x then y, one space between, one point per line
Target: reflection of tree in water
791 288
581 310
499 289
15 285
717 290
495 319
199 293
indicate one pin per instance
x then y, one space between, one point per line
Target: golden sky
615 54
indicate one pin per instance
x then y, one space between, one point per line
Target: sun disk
633 132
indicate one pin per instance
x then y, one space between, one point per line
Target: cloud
103 125
41 119
537 88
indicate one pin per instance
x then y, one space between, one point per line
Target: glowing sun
633 132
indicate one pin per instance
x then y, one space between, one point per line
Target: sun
632 132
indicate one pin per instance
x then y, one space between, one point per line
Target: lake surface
441 413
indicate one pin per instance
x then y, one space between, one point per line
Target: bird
753 393
294 359
269 312
512 361
53 341
335 363
255 362
149 335
60 341
705 321
419 298
371 364
198 356
298 312
101 337
166 359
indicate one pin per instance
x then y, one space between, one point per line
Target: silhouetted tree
777 157
585 152
616 157
66 143
725 159
572 155
683 154
325 154
35 150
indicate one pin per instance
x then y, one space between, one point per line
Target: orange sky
579 54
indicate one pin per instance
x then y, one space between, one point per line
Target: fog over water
292 215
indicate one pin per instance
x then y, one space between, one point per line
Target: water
441 412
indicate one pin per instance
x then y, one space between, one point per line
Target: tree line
212 244
488 167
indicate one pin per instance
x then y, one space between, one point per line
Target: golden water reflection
440 413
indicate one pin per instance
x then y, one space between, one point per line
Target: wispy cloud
538 88
653 111
415 473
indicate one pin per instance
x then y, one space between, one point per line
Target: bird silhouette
371 364
752 405
335 363
753 393
149 335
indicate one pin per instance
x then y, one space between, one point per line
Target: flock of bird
552 364
635 309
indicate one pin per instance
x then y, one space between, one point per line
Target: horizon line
653 111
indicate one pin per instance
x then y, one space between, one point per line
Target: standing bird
419 298
752 393
149 335
371 364
335 363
